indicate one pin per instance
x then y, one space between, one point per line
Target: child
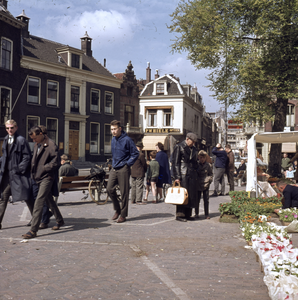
290 173
152 175
205 178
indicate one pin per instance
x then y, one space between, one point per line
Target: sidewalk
151 256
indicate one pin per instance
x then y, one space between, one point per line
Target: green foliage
288 214
248 209
250 47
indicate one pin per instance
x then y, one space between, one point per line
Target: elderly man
185 165
15 169
67 169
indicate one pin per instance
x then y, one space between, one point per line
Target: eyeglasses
7 128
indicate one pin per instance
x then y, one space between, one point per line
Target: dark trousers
230 175
46 214
6 193
206 202
183 211
44 195
120 177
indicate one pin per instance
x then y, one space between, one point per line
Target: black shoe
191 219
213 195
29 224
220 194
181 219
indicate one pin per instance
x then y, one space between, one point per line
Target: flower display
288 214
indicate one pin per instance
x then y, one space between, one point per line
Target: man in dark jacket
124 153
15 169
138 171
184 164
67 169
290 194
230 166
44 166
220 168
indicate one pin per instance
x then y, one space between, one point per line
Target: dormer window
75 61
160 88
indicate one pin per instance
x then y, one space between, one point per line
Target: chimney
148 73
86 44
156 75
4 3
104 62
23 18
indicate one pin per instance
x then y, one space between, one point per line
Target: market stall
264 137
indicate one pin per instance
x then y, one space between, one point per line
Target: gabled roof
174 87
45 50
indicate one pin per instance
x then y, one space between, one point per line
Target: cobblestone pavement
151 256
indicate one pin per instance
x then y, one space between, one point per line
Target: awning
150 141
288 148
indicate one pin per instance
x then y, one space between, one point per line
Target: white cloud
104 27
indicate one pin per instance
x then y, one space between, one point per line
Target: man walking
44 167
230 166
15 169
220 168
124 153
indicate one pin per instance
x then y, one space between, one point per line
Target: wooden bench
73 183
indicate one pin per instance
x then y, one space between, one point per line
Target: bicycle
98 184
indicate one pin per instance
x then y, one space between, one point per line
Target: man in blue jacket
220 168
124 153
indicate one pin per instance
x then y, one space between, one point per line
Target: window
95 103
152 117
33 90
160 88
5 104
129 91
94 139
75 99
6 54
129 115
31 121
290 117
52 93
52 129
108 139
75 61
109 103
167 117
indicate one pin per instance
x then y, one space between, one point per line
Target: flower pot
285 223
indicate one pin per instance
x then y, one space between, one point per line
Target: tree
251 49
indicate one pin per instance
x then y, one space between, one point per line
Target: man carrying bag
184 164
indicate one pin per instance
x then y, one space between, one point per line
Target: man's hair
64 157
35 129
116 123
11 122
160 146
228 146
202 153
153 154
280 184
43 129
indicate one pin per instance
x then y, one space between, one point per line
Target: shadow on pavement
151 216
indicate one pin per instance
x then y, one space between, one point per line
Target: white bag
177 195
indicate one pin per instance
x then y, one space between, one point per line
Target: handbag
177 195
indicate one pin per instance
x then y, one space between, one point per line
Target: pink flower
295 216
286 216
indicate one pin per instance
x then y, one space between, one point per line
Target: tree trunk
279 124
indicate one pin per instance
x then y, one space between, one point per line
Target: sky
121 31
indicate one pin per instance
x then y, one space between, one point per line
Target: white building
169 111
